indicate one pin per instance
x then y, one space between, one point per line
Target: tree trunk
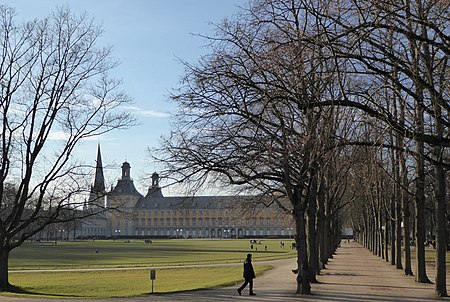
392 217
393 224
380 233
321 233
398 235
303 284
406 236
441 225
386 236
4 257
421 273
313 259
328 237
406 212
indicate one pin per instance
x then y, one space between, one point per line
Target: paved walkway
353 275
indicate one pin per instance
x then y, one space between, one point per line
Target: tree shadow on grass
16 290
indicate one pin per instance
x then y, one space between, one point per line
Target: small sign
152 277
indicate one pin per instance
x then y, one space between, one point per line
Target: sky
149 37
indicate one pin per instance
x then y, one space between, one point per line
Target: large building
131 214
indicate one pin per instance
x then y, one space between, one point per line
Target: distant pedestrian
249 275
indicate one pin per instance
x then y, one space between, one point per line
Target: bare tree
241 120
55 92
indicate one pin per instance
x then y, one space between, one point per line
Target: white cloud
58 136
146 113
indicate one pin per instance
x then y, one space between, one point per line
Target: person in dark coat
249 275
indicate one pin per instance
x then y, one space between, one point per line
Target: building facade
131 214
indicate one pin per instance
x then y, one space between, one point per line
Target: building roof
125 187
154 199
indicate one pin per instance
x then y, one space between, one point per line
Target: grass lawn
430 256
125 283
123 254
81 254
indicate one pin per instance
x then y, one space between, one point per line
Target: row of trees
341 107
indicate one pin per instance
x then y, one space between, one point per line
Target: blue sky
148 37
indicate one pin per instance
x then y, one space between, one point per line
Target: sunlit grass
125 283
430 256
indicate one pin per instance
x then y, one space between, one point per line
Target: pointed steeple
97 196
99 179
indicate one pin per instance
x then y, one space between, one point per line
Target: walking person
249 275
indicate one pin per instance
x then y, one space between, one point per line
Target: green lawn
134 254
125 283
46 255
430 256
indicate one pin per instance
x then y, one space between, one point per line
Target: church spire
97 196
99 179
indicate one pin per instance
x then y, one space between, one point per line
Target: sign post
152 277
